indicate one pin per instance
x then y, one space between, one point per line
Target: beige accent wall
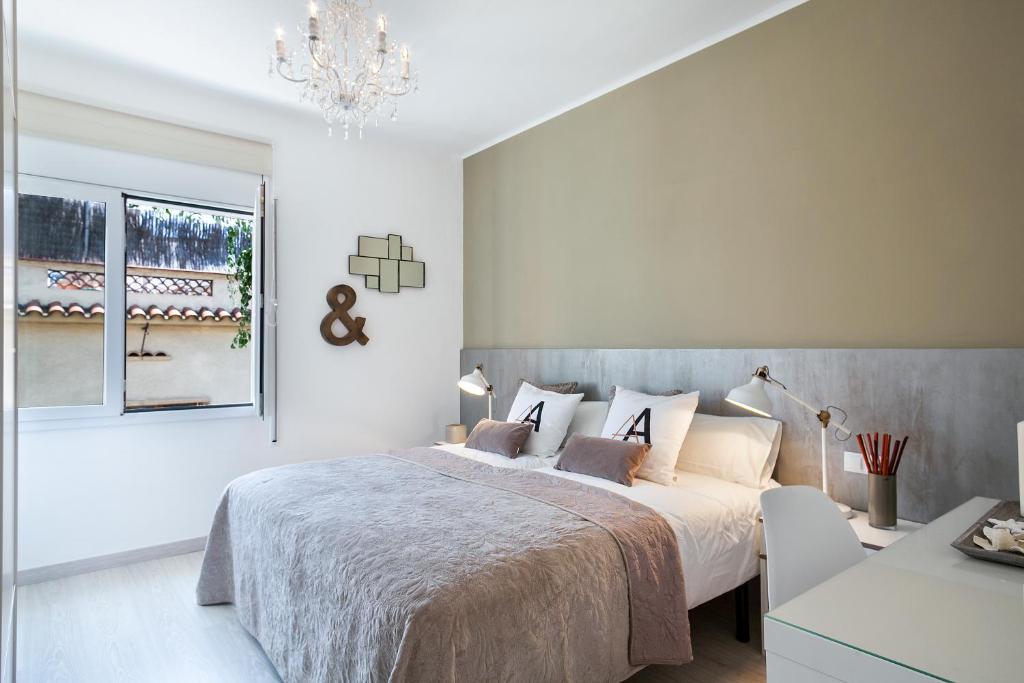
847 174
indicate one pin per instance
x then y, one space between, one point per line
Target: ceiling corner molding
693 48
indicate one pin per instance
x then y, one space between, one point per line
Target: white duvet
715 521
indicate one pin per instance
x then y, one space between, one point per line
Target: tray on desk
1007 509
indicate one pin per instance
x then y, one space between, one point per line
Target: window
61 258
188 279
180 276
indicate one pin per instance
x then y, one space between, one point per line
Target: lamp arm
490 387
490 392
822 414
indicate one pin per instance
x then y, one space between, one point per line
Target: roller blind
64 120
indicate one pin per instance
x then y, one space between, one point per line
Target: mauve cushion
558 387
503 438
609 459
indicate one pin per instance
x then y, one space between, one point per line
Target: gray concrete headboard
960 407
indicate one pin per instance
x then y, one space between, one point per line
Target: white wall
90 492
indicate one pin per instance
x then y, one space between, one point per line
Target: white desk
916 611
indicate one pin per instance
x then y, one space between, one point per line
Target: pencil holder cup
882 501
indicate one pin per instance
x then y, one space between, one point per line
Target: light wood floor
141 623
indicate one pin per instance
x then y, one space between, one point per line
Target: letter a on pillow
661 421
550 414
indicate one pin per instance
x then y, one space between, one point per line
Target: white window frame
112 411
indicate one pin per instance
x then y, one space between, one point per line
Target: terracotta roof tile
56 308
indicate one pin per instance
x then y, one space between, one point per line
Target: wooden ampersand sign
339 312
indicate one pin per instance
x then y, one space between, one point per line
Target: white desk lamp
476 384
753 397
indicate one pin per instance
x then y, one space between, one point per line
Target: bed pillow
548 412
557 387
589 418
738 449
661 421
503 438
609 459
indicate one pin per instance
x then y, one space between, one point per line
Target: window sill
27 424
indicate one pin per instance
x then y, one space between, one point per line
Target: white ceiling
488 69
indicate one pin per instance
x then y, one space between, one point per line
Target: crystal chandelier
353 73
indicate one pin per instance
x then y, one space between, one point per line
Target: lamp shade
474 383
752 396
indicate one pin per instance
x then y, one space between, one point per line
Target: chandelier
352 72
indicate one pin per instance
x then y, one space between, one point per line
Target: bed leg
742 599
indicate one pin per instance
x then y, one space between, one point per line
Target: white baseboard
95 564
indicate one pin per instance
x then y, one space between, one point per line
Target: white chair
806 540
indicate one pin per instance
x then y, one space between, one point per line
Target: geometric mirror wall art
387 264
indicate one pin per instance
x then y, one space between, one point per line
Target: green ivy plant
239 234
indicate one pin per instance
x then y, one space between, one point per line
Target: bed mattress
715 521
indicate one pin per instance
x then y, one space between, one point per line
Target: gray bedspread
425 566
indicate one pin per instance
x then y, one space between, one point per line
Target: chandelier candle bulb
382 33
279 43
314 22
405 62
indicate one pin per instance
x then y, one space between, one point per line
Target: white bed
523 462
715 521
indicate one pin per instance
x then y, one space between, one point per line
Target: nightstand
871 538
875 539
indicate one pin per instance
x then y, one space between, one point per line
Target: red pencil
885 454
899 457
878 455
863 452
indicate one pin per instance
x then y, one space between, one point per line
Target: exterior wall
33 284
61 358
60 363
200 364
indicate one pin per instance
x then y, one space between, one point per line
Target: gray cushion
557 387
669 392
609 459
503 438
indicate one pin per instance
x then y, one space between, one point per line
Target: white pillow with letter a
548 412
661 421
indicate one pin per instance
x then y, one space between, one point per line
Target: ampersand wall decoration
339 311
